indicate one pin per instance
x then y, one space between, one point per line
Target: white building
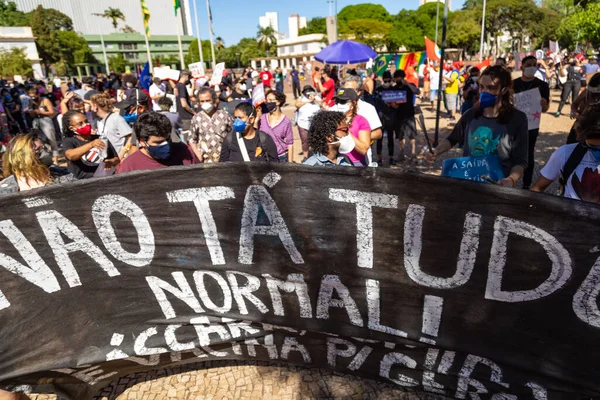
22 37
162 15
421 2
269 19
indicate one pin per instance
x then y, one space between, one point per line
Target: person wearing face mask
246 143
346 102
307 106
328 136
156 150
404 124
111 124
278 126
576 165
209 127
240 91
84 152
493 128
589 97
24 170
529 82
42 111
470 90
572 86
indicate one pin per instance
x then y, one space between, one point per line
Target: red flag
483 64
433 51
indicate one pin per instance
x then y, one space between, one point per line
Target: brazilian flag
381 63
176 5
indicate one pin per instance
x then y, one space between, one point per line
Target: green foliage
54 19
15 62
464 30
547 30
472 4
46 41
315 25
266 39
368 31
73 49
194 56
375 12
114 14
128 29
10 16
588 22
118 63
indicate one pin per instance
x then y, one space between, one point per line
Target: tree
118 63
128 29
15 62
114 14
588 24
464 30
10 16
315 25
73 49
266 38
548 30
193 56
370 32
45 37
55 20
375 12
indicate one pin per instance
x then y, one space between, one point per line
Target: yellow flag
146 14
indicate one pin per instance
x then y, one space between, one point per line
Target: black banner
445 286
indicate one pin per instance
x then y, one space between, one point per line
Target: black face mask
271 107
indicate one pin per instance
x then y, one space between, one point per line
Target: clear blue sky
236 19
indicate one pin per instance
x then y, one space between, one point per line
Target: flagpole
198 32
148 52
178 15
482 32
437 19
210 32
441 79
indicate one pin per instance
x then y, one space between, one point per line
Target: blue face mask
595 151
160 152
239 125
487 100
131 118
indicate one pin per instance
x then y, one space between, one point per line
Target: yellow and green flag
177 5
146 15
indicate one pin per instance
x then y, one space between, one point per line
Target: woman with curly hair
494 127
325 136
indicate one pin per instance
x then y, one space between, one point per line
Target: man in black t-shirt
572 86
528 82
184 106
405 125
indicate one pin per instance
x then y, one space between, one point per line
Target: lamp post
437 19
238 58
102 44
441 79
482 32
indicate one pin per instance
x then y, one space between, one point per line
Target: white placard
217 75
258 95
530 102
165 73
197 69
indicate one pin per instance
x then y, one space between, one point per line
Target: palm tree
114 14
266 38
220 44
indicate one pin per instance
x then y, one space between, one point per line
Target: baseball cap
308 88
346 94
136 98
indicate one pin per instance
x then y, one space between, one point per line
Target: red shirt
328 92
266 78
138 161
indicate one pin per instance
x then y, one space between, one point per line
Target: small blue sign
471 168
394 96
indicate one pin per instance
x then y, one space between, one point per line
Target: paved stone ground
231 380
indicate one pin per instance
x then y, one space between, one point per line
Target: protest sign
471 168
530 102
393 96
465 290
196 69
217 74
258 95
166 73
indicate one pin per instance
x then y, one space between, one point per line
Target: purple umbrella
346 52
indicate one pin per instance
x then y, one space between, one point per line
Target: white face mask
343 108
207 107
346 144
243 87
530 72
475 78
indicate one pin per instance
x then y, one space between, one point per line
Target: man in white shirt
157 90
577 165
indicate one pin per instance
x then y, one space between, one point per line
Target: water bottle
104 152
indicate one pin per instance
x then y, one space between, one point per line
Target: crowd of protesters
60 131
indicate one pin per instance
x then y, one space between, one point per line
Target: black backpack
574 160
